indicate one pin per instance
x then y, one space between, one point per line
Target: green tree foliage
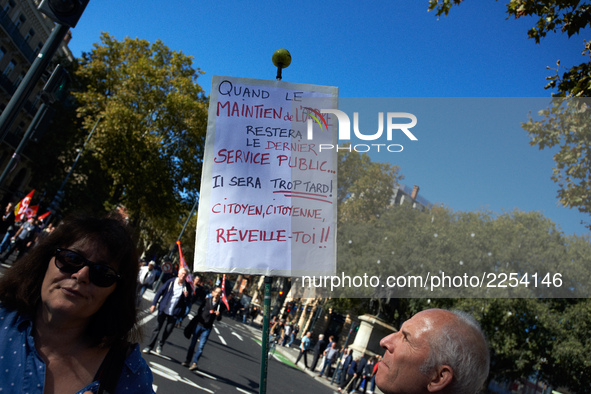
566 125
364 187
542 338
408 242
149 141
551 16
570 364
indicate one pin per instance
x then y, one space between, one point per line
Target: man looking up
436 351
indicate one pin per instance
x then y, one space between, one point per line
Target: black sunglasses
70 262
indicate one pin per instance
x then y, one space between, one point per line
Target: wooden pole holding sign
281 59
265 340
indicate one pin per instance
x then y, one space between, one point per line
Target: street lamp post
41 113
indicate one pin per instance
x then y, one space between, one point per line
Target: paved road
230 363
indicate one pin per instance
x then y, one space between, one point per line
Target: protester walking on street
23 239
171 298
201 326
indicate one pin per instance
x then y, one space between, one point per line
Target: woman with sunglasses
68 316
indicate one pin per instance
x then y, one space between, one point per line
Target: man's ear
443 377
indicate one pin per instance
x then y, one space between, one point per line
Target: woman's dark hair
20 287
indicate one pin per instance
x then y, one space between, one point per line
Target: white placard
268 193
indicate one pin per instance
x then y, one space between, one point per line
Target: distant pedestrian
22 239
304 349
145 279
293 335
243 311
7 226
372 380
318 351
287 329
200 292
348 358
253 313
48 229
358 377
350 374
165 273
330 356
276 330
366 374
330 341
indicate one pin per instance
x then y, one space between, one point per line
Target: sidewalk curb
291 353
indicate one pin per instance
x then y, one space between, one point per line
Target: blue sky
382 49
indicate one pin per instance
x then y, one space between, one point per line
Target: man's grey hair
321 336
462 345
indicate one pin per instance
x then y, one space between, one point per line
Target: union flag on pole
224 299
189 277
46 214
31 211
21 208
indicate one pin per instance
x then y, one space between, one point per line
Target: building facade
23 32
405 195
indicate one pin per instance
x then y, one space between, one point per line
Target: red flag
31 211
46 214
21 207
224 299
189 277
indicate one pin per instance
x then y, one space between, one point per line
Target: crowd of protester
19 236
176 290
